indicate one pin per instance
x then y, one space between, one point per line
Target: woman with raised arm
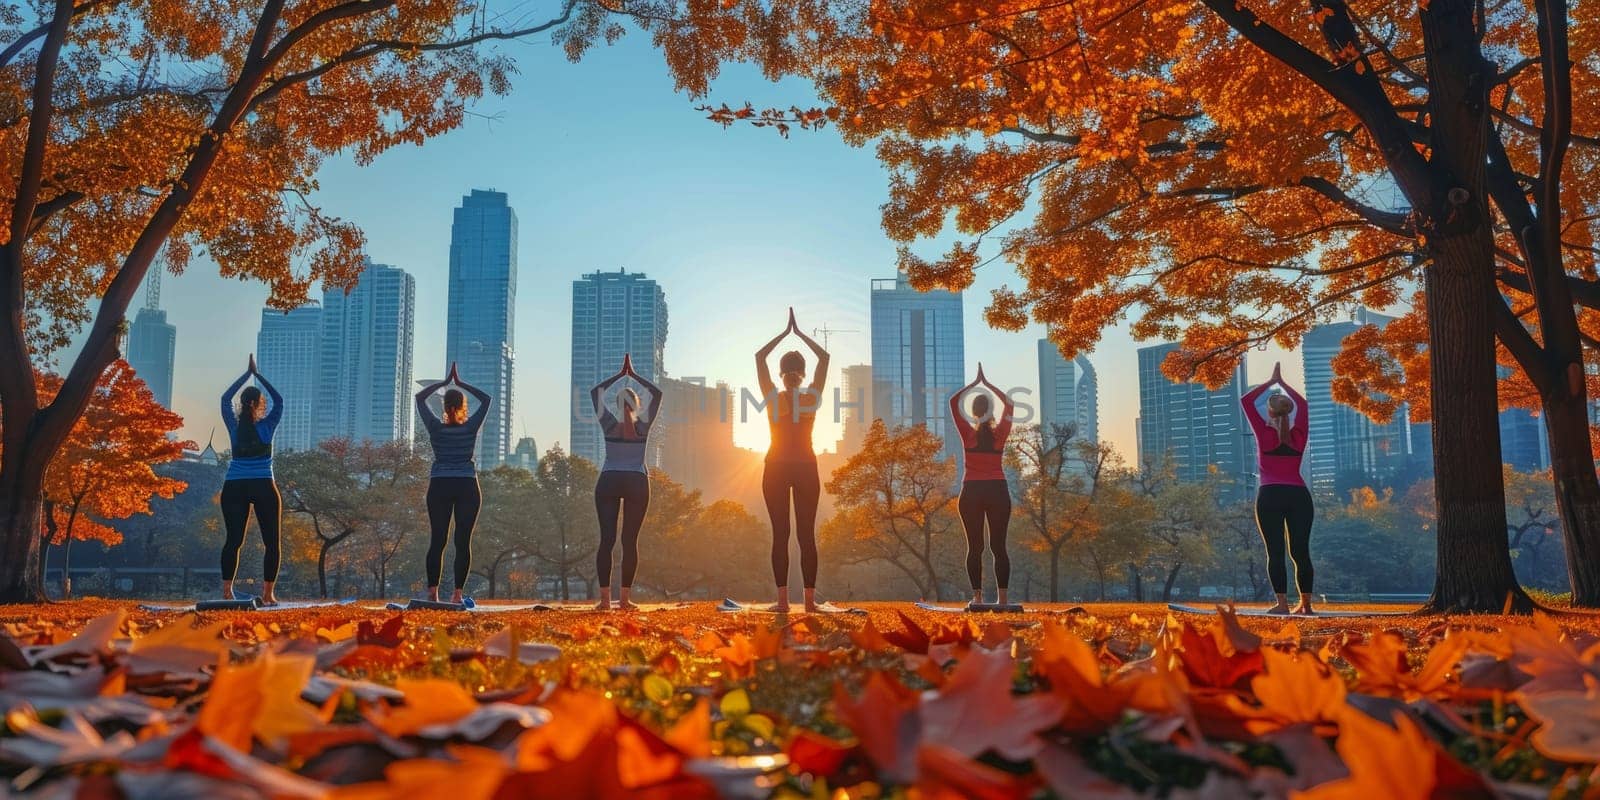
984 492
249 483
1283 502
623 489
453 480
791 466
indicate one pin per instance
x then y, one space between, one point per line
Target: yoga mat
1261 612
974 608
730 606
242 604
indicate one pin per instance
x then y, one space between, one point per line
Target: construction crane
826 331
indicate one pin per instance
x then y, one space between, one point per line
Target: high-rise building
1199 428
694 433
1068 392
918 357
152 341
365 358
1523 445
1345 449
613 314
286 354
856 412
525 455
482 309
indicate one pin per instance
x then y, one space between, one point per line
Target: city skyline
365 358
1341 442
732 255
918 357
1199 427
152 342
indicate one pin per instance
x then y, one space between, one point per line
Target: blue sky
607 167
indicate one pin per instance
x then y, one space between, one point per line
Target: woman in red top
1283 500
984 493
791 467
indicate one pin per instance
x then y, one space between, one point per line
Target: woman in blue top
249 483
624 486
453 481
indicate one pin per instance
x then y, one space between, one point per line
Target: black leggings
776 482
1277 506
446 496
991 500
238 496
625 494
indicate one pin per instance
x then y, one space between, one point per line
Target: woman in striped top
249 482
453 481
985 496
623 489
1283 501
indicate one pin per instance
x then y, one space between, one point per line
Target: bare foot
1304 609
603 605
1281 608
811 608
780 608
627 605
456 598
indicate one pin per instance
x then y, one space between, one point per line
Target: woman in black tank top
791 466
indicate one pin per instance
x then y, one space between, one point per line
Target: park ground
106 699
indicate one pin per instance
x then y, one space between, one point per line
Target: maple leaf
1382 667
1296 688
1093 701
1394 763
259 700
1211 659
869 639
911 638
947 774
476 773
428 702
887 721
975 711
177 647
1569 725
819 755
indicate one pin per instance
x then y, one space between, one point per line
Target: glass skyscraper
152 341
613 313
918 357
365 358
1344 448
286 353
482 312
1200 428
1068 392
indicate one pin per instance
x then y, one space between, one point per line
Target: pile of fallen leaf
352 703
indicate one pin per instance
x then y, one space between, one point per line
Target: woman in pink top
1283 500
984 493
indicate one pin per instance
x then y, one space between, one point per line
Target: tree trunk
1577 491
1172 578
1055 574
322 568
1474 572
21 575
1136 583
66 561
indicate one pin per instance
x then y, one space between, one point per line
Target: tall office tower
1199 427
918 357
613 313
1068 392
152 341
856 413
1522 441
482 314
525 455
695 432
287 355
364 393
1345 449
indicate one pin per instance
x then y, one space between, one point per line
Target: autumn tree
105 469
718 553
503 536
340 489
895 502
1531 527
1058 485
200 128
566 530
1221 173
